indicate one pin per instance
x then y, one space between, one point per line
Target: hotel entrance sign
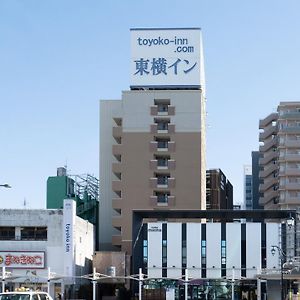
166 58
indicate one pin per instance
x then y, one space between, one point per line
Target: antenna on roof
24 203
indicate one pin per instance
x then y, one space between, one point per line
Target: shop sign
22 259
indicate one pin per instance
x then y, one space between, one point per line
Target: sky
58 58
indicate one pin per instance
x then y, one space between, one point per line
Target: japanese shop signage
68 234
22 259
165 57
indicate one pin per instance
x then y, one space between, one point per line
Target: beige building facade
280 161
152 156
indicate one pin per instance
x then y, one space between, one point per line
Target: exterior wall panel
193 240
233 247
174 257
253 248
155 249
213 242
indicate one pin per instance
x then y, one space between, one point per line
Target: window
34 233
162 197
162 161
7 233
162 179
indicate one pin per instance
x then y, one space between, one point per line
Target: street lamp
5 185
282 255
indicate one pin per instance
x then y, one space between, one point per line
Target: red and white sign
22 259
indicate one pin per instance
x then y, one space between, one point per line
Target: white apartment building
38 244
280 164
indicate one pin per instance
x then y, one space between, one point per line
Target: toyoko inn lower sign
22 259
166 57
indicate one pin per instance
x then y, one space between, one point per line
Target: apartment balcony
116 240
268 156
168 129
290 172
117 203
157 183
117 222
162 146
117 149
268 196
116 185
117 132
170 201
291 200
117 167
269 119
267 184
268 131
268 170
292 186
159 165
268 145
290 158
169 111
295 115
290 130
291 144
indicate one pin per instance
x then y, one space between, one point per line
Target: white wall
272 233
174 257
155 249
233 248
213 250
193 239
253 248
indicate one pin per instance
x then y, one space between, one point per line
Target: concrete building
280 161
152 140
255 180
219 190
248 203
34 240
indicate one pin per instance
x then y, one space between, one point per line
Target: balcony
290 172
267 171
166 129
268 145
290 158
162 146
166 110
117 222
292 186
292 144
117 132
268 156
116 185
269 119
290 129
117 149
117 167
116 240
267 184
293 115
117 203
268 196
268 131
161 164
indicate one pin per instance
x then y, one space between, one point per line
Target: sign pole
3 279
48 281
140 283
186 284
94 283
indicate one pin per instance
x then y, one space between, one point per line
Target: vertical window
243 250
183 248
145 248
203 250
164 250
223 249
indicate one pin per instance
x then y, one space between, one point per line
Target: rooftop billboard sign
166 58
